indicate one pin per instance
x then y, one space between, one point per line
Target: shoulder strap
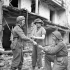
7 24
11 37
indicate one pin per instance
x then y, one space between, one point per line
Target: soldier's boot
40 68
33 67
13 68
20 68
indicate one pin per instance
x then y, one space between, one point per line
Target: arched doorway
6 37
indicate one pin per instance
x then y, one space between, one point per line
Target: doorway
6 37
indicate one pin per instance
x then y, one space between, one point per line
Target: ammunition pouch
13 44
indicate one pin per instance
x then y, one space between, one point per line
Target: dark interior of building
14 3
6 37
51 15
33 6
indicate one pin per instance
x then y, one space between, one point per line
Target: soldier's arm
21 34
42 37
53 50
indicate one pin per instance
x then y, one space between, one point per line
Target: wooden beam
56 27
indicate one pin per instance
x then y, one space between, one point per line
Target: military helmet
38 20
20 18
57 34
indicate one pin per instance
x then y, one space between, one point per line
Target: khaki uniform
17 47
57 54
36 54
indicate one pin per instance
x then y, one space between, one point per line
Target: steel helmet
57 34
20 18
38 20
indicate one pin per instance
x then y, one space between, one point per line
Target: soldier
60 52
17 43
38 35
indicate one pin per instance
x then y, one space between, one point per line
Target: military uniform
36 54
17 45
57 54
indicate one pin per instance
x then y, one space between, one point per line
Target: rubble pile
6 60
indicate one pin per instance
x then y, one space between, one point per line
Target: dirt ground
6 60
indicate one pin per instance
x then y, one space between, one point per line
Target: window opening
33 6
14 3
51 15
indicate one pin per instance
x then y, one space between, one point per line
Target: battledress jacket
59 49
17 45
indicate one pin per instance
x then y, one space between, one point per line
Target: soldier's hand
35 43
43 48
40 47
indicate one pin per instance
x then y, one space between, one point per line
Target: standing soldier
60 52
38 35
17 43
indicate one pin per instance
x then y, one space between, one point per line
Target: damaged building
52 12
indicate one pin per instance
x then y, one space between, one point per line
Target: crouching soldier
60 52
17 43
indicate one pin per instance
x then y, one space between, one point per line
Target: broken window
33 6
14 3
51 15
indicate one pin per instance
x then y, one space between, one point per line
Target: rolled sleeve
43 31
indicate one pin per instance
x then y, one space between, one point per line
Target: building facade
54 11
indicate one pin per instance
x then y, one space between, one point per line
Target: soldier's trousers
60 63
36 57
17 61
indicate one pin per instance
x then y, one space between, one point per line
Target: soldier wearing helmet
17 43
38 20
59 50
57 35
20 20
38 35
